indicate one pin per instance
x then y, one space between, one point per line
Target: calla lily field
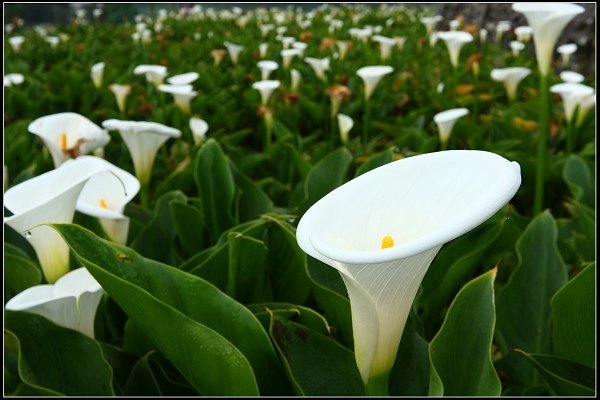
292 200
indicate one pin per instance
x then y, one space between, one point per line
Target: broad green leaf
152 375
375 161
191 304
142 381
579 179
189 227
247 281
121 363
326 175
564 377
20 272
216 188
523 304
252 201
332 297
286 262
56 360
410 374
156 239
573 318
316 364
460 355
296 313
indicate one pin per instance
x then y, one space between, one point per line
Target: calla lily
454 24
548 21
455 41
445 121
266 67
234 51
385 45
155 74
182 94
295 77
217 55
571 94
53 41
183 79
516 47
372 75
511 77
199 128
501 27
319 65
60 189
345 124
97 73
287 55
266 88
399 41
382 230
571 77
16 42
430 23
300 46
105 198
68 135
566 50
287 41
143 139
262 49
483 35
13 79
585 105
523 33
343 47
71 302
121 92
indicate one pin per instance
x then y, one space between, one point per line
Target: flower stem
542 150
377 385
570 137
366 122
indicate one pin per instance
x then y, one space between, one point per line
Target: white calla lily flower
154 74
16 42
371 76
571 77
53 41
234 51
572 94
319 65
266 67
385 45
295 78
287 55
105 198
516 47
510 77
445 121
183 79
524 33
13 79
121 92
585 105
97 72
483 35
68 135
566 51
455 40
430 23
143 139
262 49
266 88
382 230
61 188
199 128
71 302
345 124
182 95
343 47
548 21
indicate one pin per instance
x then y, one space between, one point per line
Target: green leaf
252 201
564 377
174 309
189 227
141 381
579 179
156 239
153 376
573 318
523 304
246 278
20 272
375 161
216 187
316 364
326 175
460 355
56 360
300 314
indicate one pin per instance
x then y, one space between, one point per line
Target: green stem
570 137
144 195
377 385
366 121
542 151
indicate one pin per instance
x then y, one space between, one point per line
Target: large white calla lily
572 94
68 135
455 40
548 21
50 198
319 65
105 198
510 77
97 73
154 74
445 121
71 302
382 230
266 88
143 139
182 95
372 75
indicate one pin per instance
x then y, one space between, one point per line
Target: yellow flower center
104 205
62 140
387 242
